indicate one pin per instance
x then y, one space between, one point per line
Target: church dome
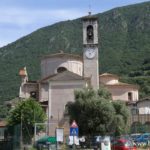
59 62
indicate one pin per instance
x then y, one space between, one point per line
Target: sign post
59 136
74 130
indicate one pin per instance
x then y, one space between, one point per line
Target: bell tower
90 49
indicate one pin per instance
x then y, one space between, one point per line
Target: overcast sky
21 17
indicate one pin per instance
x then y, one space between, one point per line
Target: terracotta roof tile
108 75
22 72
123 84
64 76
2 123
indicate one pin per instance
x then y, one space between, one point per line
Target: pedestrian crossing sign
74 131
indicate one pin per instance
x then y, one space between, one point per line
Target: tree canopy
27 112
97 114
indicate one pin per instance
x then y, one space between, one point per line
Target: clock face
90 53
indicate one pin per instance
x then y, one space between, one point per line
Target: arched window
66 109
61 69
33 94
90 33
130 98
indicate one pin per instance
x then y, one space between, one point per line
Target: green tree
3 111
120 122
27 112
96 114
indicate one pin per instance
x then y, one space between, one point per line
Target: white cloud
17 22
23 17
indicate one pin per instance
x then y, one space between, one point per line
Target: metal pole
73 143
21 131
34 132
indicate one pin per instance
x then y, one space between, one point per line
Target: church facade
62 74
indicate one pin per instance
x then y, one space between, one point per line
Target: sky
19 18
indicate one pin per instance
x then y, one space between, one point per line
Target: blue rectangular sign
74 131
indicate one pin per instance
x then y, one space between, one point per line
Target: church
63 73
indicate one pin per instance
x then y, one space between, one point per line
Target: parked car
93 142
123 144
144 138
134 136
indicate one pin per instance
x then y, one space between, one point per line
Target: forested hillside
124 48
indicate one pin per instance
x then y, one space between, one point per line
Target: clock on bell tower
90 49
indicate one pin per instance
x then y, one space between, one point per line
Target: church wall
43 92
49 66
26 89
91 71
121 93
61 93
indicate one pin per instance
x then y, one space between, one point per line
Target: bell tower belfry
90 49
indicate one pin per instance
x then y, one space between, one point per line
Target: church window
66 110
130 96
90 34
61 69
33 94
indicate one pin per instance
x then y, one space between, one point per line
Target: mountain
124 47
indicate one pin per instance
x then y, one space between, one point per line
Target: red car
123 144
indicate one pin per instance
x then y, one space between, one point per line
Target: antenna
89 12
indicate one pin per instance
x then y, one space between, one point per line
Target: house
119 90
2 129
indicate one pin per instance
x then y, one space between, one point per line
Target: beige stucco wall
43 92
121 93
60 93
144 107
108 80
91 68
26 88
49 66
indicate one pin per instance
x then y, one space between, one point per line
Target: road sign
74 131
74 124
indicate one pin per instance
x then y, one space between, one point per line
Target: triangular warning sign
74 124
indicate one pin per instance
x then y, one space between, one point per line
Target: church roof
31 82
63 55
123 84
144 99
64 76
2 123
89 17
109 75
